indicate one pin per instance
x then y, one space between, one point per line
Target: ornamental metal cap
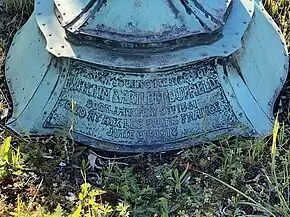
145 76
138 21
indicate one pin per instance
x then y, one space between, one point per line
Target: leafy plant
10 161
165 209
87 205
90 202
23 211
125 184
174 178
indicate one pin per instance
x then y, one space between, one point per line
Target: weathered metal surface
153 20
67 10
23 75
133 101
233 30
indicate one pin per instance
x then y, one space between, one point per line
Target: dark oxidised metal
155 75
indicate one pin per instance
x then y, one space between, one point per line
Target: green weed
10 161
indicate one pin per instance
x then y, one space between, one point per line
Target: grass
14 7
48 177
280 11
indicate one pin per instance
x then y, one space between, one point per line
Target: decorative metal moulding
144 76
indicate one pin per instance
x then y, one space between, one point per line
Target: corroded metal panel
23 76
150 98
137 109
267 66
154 20
106 55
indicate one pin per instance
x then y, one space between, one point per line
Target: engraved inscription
142 108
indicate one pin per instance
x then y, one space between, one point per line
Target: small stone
62 164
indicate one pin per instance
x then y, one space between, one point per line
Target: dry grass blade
254 203
24 7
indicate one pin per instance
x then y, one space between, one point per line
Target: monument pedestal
134 76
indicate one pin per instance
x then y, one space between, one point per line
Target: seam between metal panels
130 37
57 45
63 14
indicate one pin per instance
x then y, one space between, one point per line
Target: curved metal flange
235 27
153 20
263 61
26 65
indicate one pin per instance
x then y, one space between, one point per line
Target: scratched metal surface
237 23
137 110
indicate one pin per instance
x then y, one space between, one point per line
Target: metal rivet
237 33
225 51
8 80
38 13
224 45
16 104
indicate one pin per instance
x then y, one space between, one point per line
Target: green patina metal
155 75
